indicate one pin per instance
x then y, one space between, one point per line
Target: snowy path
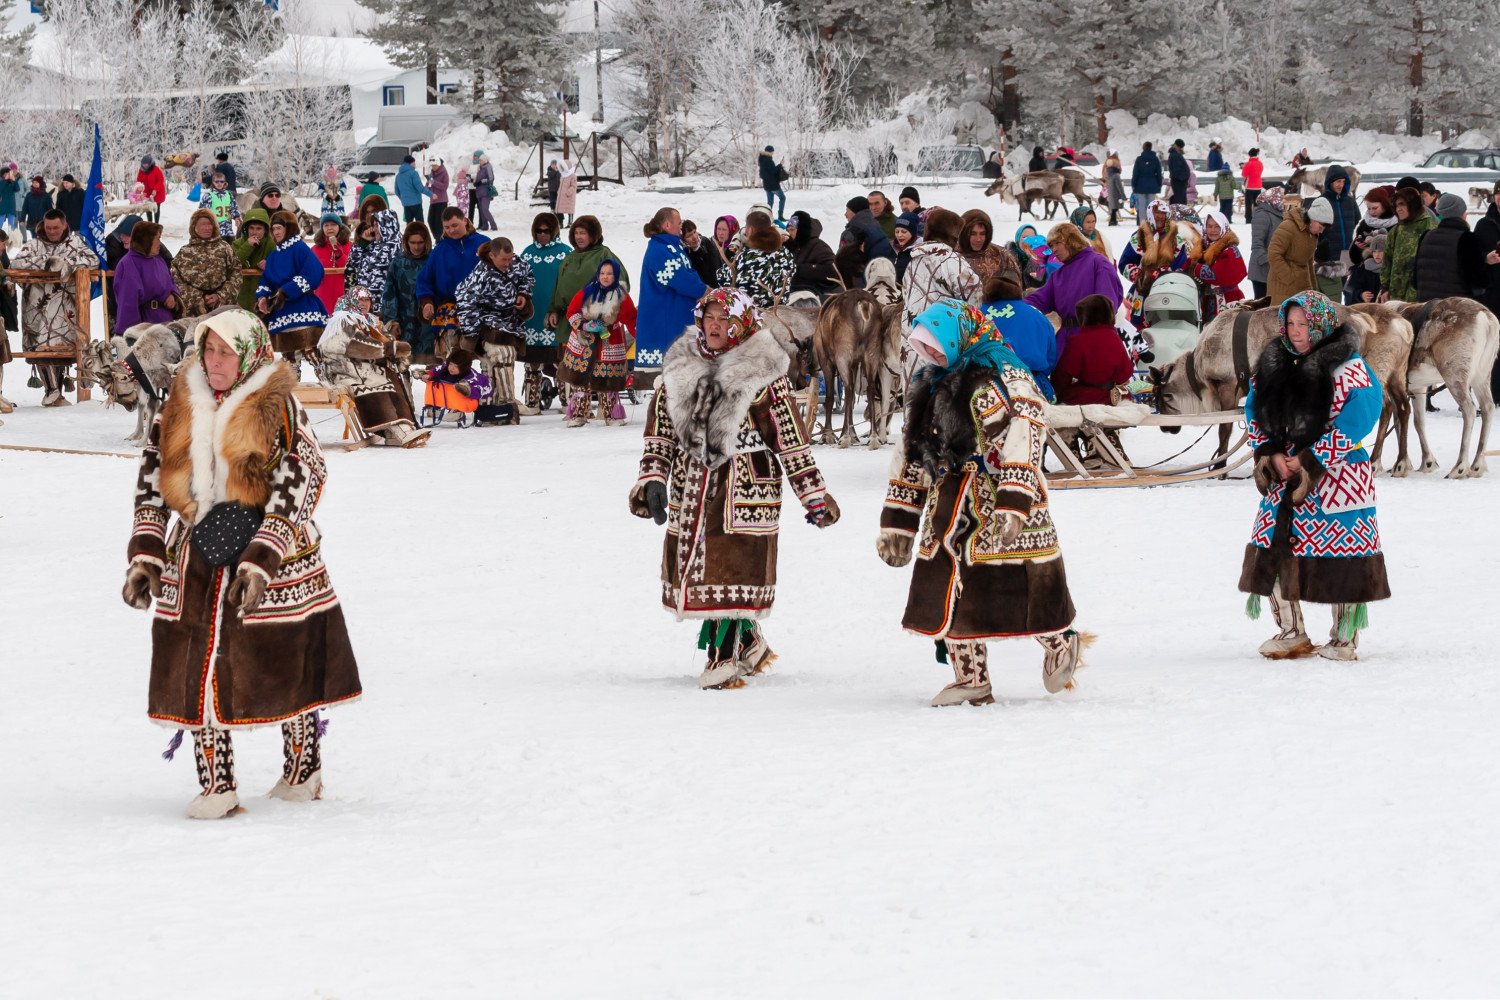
535 801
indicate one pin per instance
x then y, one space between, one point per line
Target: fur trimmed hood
143 235
606 308
193 236
976 217
709 399
590 225
942 226
1070 236
214 451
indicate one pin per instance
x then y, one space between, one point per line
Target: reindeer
858 340
1050 186
1456 342
1215 375
1313 177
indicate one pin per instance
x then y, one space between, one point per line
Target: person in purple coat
1084 272
144 289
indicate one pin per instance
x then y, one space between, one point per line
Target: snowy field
535 800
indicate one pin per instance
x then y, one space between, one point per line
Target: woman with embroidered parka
722 432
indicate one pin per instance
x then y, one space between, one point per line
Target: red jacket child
1094 359
156 181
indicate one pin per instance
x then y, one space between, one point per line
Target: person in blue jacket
287 294
1145 181
410 189
670 289
450 262
1026 329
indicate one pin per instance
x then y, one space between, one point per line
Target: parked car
1081 160
384 158
950 160
822 163
1465 159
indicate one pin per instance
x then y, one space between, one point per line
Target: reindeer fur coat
721 434
209 666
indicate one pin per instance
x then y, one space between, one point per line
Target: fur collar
708 400
940 433
1158 250
1294 395
1212 251
212 452
767 240
606 309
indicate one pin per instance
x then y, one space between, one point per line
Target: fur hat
1375 242
859 203
287 219
1320 211
909 192
464 359
202 213
143 235
1065 234
1450 206
762 234
1002 286
943 226
374 199
589 224
547 219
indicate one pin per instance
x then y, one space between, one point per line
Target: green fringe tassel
1252 608
942 651
706 634
716 630
1355 620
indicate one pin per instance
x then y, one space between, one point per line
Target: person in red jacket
1218 265
1253 172
156 186
1094 360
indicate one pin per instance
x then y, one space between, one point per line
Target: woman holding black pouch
248 630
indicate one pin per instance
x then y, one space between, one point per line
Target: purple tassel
617 412
573 404
172 746
321 724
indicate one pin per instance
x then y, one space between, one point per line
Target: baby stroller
1173 317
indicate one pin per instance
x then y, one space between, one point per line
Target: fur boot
755 657
302 769
1062 658
6 406
579 405
1343 638
214 752
531 391
970 661
1291 642
611 409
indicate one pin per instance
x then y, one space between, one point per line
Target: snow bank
457 143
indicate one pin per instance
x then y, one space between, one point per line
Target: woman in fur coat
287 295
601 319
1157 247
259 638
721 433
356 355
207 271
493 304
1218 266
1312 403
968 494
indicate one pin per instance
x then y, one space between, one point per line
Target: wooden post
81 282
594 175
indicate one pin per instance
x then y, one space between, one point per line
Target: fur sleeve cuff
148 547
1013 499
141 557
902 519
1268 449
261 556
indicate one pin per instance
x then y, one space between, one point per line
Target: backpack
781 174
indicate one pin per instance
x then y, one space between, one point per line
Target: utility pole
598 70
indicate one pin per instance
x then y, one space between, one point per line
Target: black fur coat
940 433
1294 394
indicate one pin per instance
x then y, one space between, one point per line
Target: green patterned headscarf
1321 319
245 334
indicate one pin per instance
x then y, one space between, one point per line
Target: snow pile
456 145
1277 146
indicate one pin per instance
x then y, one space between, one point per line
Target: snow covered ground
534 800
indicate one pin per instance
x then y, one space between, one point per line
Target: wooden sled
1092 421
321 397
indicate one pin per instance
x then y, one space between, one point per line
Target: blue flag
93 208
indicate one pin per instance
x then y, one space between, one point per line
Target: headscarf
349 301
964 335
1078 215
246 336
1221 220
1321 320
744 318
1166 210
1021 229
734 227
1275 197
594 291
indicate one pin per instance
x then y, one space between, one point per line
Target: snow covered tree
658 34
517 58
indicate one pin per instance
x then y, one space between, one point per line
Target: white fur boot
302 768
214 754
971 672
1064 653
1291 643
